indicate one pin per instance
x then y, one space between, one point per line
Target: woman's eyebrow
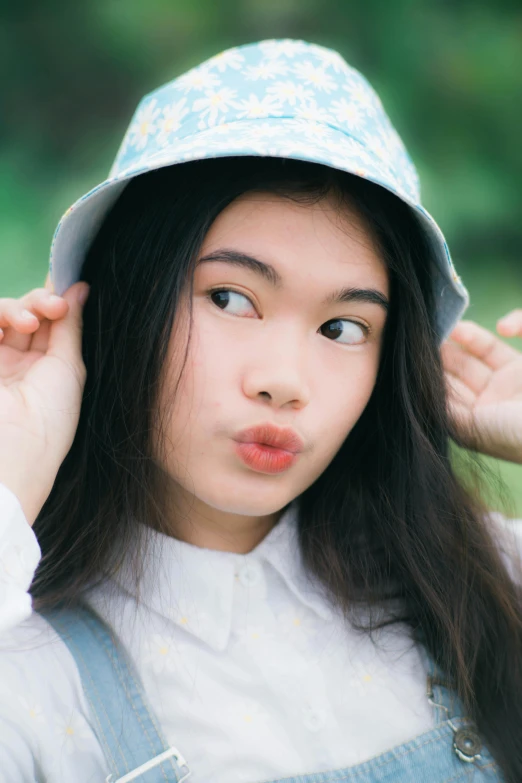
269 273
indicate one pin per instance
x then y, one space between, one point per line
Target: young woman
232 542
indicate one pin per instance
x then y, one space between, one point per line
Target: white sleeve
19 557
16 756
510 540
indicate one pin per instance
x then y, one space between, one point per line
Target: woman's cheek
358 386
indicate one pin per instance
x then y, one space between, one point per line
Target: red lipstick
268 448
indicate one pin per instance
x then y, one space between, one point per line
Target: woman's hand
42 377
484 378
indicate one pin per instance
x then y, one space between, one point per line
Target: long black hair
388 522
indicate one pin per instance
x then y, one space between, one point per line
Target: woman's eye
351 330
221 297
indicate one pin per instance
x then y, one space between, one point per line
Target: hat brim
80 224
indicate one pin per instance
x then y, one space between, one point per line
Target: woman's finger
460 410
40 339
39 302
510 325
483 344
21 318
14 313
458 392
17 328
65 337
472 372
42 301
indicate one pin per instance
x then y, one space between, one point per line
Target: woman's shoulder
34 646
44 717
36 668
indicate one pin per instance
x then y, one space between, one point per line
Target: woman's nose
278 371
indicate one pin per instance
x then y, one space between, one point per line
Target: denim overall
135 748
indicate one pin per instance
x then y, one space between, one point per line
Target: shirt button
314 720
467 743
250 574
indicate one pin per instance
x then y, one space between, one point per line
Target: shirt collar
194 586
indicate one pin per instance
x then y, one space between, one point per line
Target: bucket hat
280 98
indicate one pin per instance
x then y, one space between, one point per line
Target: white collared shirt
252 673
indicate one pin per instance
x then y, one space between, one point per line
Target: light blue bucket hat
280 98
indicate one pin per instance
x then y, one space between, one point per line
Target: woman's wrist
30 493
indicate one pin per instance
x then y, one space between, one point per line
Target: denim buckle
134 773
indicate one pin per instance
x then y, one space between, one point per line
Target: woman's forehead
286 231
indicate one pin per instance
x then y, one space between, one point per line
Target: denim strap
442 695
124 724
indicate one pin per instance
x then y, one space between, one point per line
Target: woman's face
268 352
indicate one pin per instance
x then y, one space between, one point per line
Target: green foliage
449 75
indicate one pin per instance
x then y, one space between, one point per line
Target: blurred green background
449 74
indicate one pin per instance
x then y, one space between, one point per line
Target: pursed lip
268 434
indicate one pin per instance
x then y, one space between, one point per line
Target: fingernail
26 315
